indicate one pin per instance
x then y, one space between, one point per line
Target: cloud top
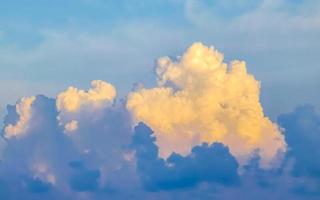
24 111
199 98
73 99
201 133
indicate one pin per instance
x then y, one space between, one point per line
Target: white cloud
73 101
24 110
201 99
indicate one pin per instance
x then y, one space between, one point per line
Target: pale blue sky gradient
46 46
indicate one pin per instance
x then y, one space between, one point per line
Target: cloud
298 177
104 158
39 162
37 186
23 109
291 15
261 32
73 101
200 99
302 133
71 126
84 179
203 135
212 164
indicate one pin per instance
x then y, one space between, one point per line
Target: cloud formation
199 98
213 164
200 134
301 127
57 165
73 101
23 109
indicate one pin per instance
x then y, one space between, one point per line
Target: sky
161 99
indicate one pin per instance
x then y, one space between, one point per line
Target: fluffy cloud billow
43 158
23 109
206 163
201 133
199 99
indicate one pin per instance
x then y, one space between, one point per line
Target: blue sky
62 142
46 46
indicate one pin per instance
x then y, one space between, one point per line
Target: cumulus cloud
212 164
73 101
203 135
298 177
42 162
301 127
37 162
23 110
199 98
84 179
105 158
